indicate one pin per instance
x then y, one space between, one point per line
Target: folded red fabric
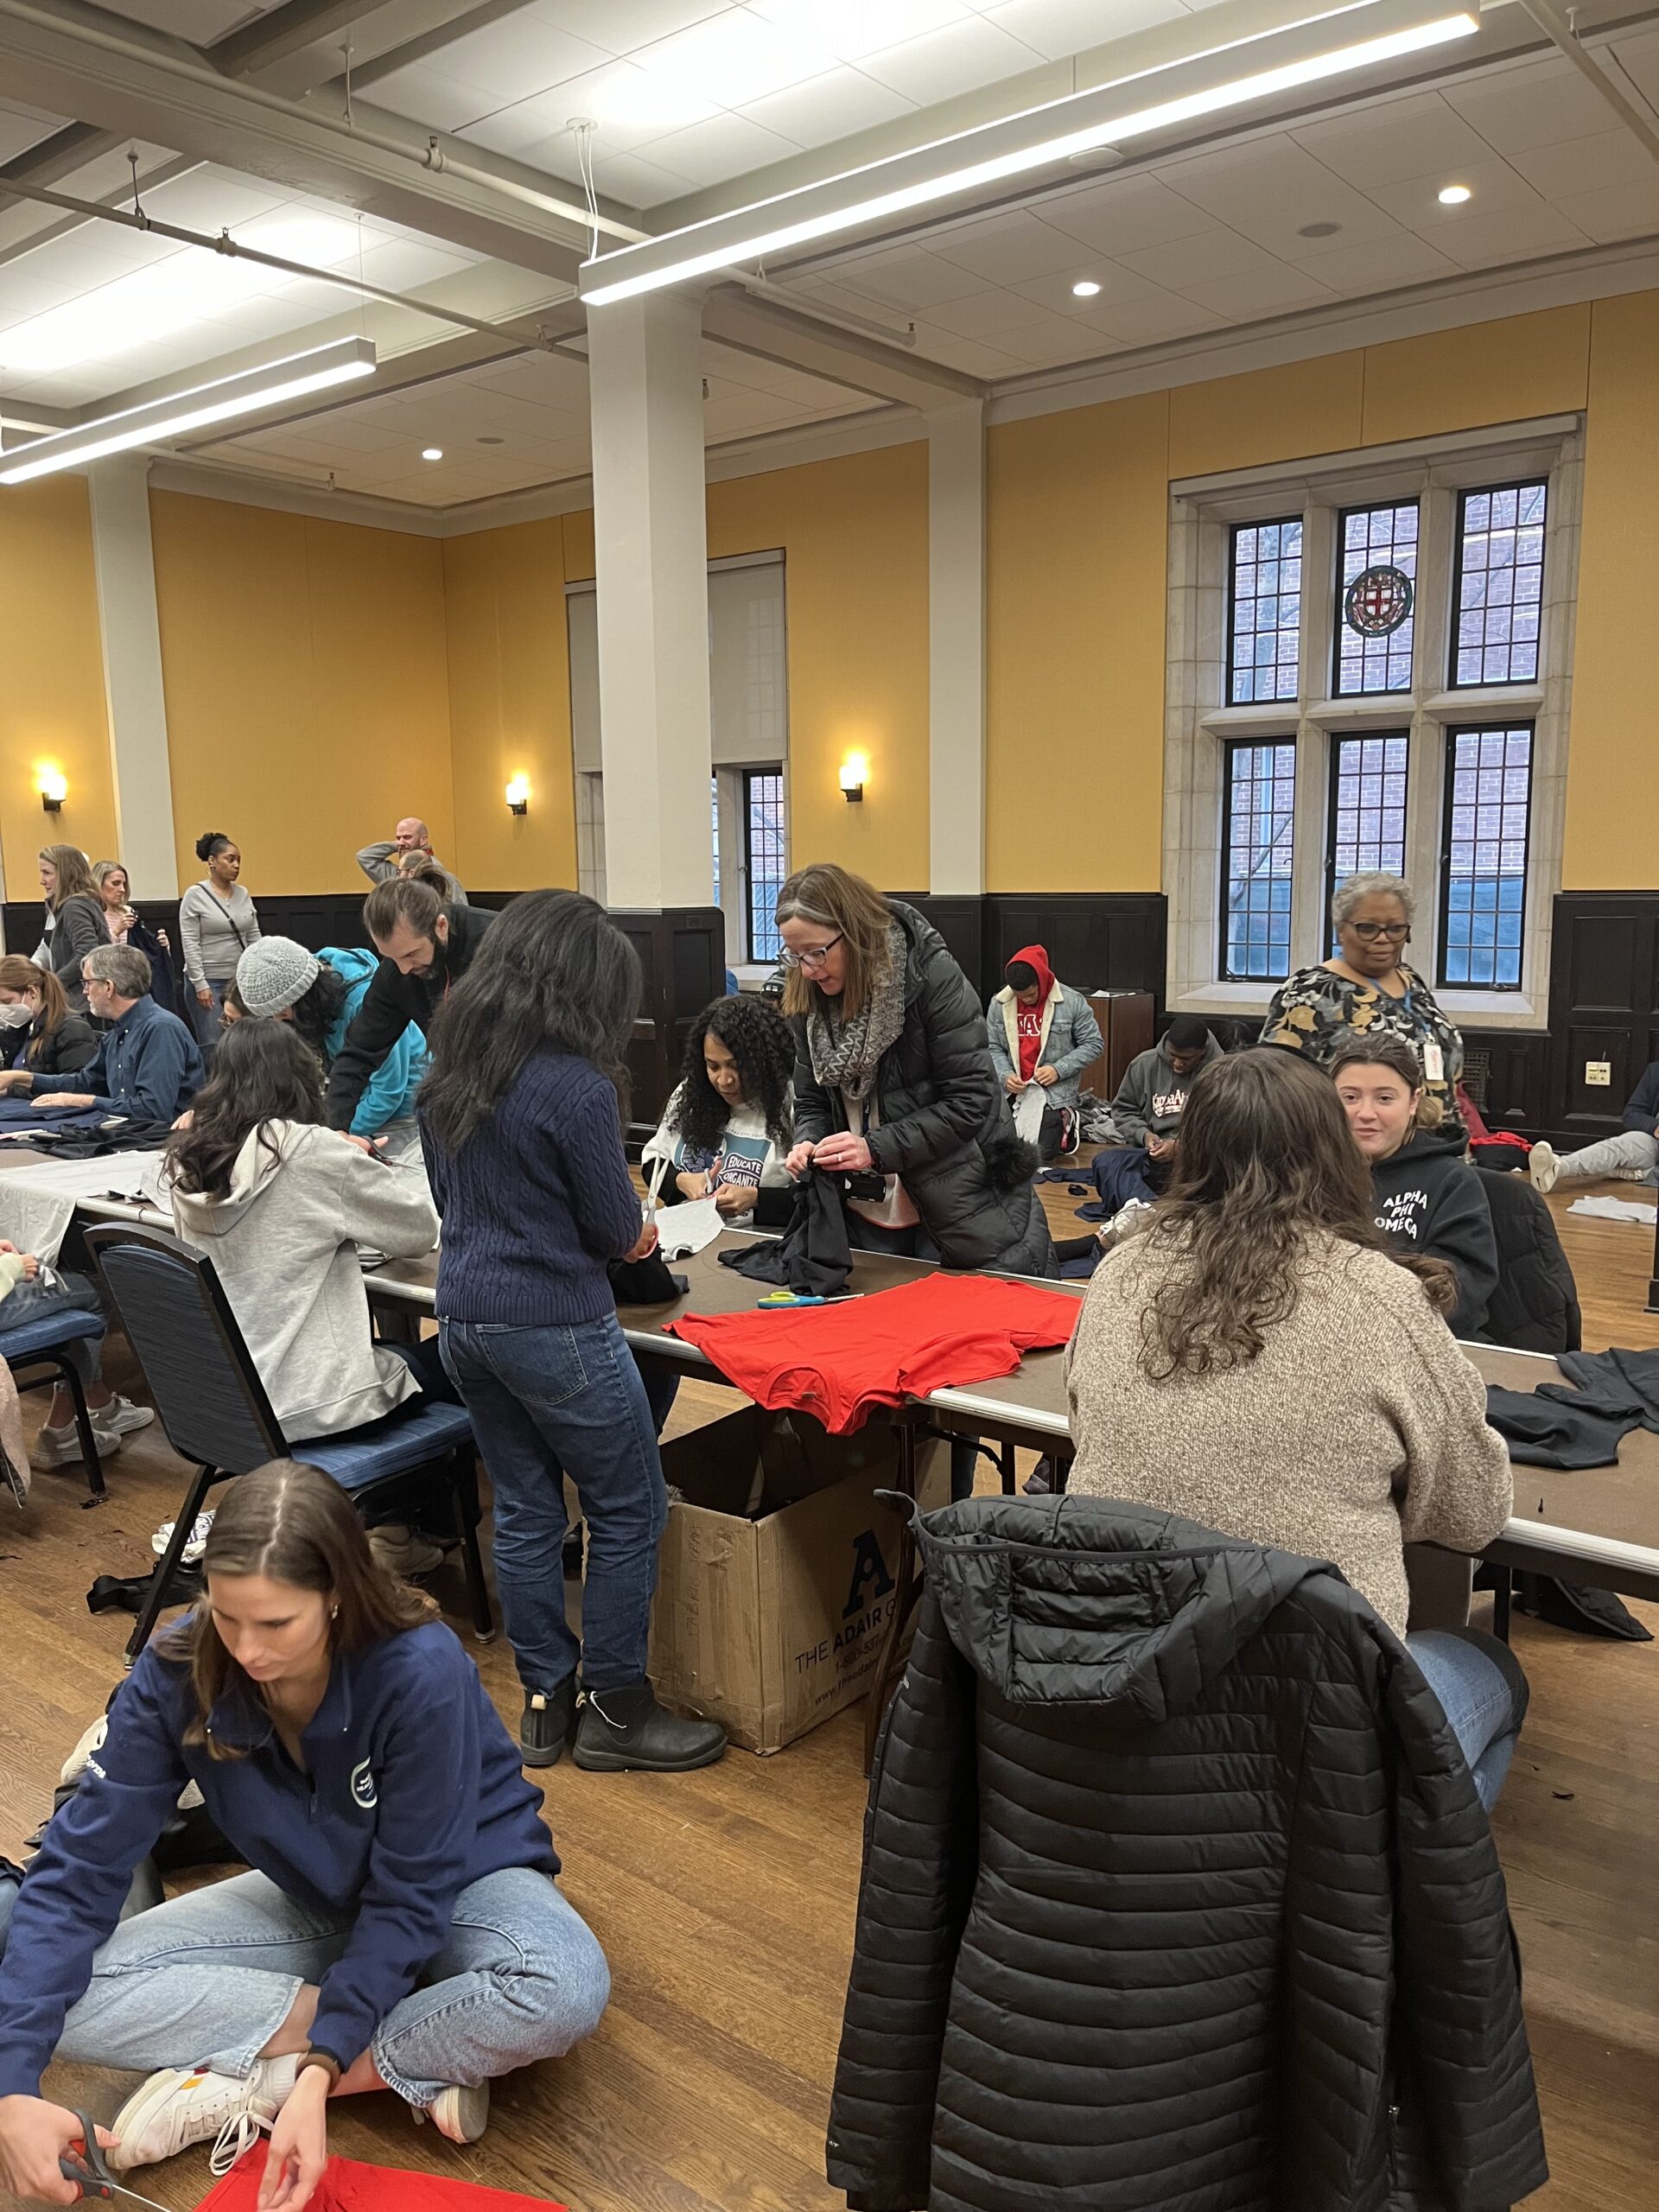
838 1362
348 2187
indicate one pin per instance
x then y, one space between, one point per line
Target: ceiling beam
842 357
288 30
66 60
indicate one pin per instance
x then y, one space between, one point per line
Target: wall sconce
53 789
854 769
518 795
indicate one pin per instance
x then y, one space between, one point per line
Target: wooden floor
725 1900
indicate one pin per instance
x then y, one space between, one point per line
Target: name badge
1433 1061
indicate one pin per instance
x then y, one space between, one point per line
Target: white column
132 675
650 548
955 624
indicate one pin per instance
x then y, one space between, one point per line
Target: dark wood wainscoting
1603 1004
1095 940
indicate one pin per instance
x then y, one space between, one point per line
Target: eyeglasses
1369 932
813 957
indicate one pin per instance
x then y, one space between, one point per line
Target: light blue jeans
207 1979
1483 1693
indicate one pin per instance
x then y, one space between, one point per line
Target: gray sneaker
121 1417
60 1447
1543 1165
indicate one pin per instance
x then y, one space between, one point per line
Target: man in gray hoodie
1153 1095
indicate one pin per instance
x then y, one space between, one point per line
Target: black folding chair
212 1405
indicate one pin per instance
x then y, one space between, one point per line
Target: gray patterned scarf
845 1054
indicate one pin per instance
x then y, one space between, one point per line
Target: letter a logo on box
869 1568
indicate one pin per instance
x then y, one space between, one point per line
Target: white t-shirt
746 1154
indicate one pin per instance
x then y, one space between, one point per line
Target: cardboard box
776 1572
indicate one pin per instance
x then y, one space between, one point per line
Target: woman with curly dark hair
725 1132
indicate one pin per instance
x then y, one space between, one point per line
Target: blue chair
211 1402
43 1346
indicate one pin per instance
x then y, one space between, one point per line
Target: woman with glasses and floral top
1365 989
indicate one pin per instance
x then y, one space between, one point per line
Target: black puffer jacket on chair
942 1128
1176 1896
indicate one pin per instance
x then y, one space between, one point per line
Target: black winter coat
63 1051
943 1127
79 928
1534 1305
1176 1896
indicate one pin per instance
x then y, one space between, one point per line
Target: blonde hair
74 876
833 898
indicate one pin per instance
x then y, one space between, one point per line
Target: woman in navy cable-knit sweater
523 1132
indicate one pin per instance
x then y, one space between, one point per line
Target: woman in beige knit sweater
1258 1360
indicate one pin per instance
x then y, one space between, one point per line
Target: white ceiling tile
19 132
1508 234
631 108
969 353
516 55
1639 56
400 265
1496 188
1205 258
1379 264
958 59
984 314
1416 137
854 30
1056 28
1116 284
1586 164
1269 190
906 276
620 26
831 106
1246 295
725 146
1621 211
209 200
1004 249
1122 214
1538 105
637 182
200 20
1151 323
425 93
736 58
1047 344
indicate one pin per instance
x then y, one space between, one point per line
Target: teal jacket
389 1094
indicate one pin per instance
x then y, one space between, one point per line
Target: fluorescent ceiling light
159 419
1087 290
1304 53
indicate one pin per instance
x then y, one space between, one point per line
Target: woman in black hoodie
1428 1198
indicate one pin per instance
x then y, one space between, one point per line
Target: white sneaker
403 1551
194 1544
461 2115
1543 1165
121 1417
177 2108
59 1446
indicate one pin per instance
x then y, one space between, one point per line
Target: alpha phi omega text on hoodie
1429 1201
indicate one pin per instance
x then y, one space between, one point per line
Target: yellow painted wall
52 711
1078 522
307 682
1612 784
510 705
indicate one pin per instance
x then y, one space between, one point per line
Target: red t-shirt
348 2187
837 1361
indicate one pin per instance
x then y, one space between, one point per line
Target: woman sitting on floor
1429 1200
725 1132
402 1929
1257 1359
281 1205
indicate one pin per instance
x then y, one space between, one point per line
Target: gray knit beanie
275 973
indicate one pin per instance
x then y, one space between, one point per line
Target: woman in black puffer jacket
894 1075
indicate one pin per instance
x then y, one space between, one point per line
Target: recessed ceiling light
1085 290
1319 230
431 452
1453 195
491 441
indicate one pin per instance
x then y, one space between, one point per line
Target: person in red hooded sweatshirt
1044 1034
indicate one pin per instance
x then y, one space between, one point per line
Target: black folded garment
813 1256
1542 1431
1615 1385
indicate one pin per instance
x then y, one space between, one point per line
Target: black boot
626 1728
549 1718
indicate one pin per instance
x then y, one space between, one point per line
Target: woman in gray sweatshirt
218 922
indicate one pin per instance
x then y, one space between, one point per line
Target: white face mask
16 1016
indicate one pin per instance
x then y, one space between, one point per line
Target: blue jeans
1483 1693
207 1021
207 1980
546 1402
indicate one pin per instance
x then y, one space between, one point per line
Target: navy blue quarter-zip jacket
412 1789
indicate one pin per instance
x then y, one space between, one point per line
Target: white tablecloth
38 1198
